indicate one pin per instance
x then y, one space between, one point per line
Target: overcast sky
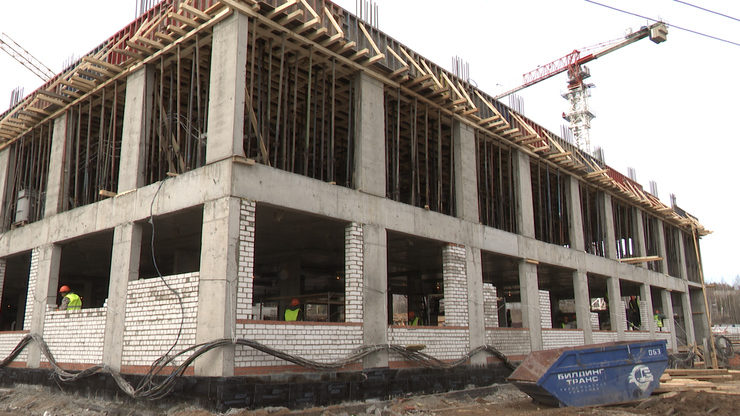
665 110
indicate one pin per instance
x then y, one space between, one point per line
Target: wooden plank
184 20
102 64
192 10
282 8
635 260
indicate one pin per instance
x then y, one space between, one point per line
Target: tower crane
578 113
25 58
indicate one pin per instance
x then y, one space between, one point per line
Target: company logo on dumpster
581 377
641 376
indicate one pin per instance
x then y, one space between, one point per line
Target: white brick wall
646 318
3 262
455 285
319 342
622 313
353 265
594 320
245 267
153 317
8 341
664 335
75 336
510 341
31 294
637 335
441 343
557 338
604 336
545 312
490 305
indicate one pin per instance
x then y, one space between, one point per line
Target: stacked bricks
604 336
545 312
319 342
441 343
553 338
455 285
646 317
353 264
3 262
637 335
245 267
153 318
510 341
594 320
490 305
75 336
31 294
622 313
8 342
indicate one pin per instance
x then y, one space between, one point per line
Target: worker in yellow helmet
70 300
293 312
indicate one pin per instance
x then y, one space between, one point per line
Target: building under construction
214 160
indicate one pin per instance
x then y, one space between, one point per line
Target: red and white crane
578 113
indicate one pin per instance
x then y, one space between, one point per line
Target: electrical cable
707 10
151 390
658 20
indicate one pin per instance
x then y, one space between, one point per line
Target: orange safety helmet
64 289
295 302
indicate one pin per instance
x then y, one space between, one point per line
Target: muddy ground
494 400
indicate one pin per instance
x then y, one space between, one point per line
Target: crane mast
25 58
578 113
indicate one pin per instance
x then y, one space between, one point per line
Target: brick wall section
664 335
622 312
545 311
8 341
353 264
637 335
31 294
153 317
594 320
319 342
245 266
455 285
510 341
75 336
557 338
604 336
441 343
646 317
490 305
3 262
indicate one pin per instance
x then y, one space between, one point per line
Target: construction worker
413 319
292 312
659 320
70 300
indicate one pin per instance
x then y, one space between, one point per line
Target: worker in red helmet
70 300
293 312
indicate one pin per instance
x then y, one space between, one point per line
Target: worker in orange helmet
293 312
70 300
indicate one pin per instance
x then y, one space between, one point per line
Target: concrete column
136 122
123 269
523 194
607 214
688 317
699 315
42 292
662 251
648 299
575 214
615 304
227 91
668 324
476 314
218 284
54 192
530 294
5 172
583 305
369 172
639 234
375 293
466 178
682 270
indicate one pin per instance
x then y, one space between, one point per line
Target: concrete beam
375 293
583 305
124 268
607 215
668 324
615 305
575 214
530 294
218 284
476 316
523 194
42 291
136 122
54 190
369 160
227 88
466 177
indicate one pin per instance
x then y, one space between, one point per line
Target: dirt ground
493 400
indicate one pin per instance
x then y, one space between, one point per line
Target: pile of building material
705 380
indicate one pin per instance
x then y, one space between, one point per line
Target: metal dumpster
592 374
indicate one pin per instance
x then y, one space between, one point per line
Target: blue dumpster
592 374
